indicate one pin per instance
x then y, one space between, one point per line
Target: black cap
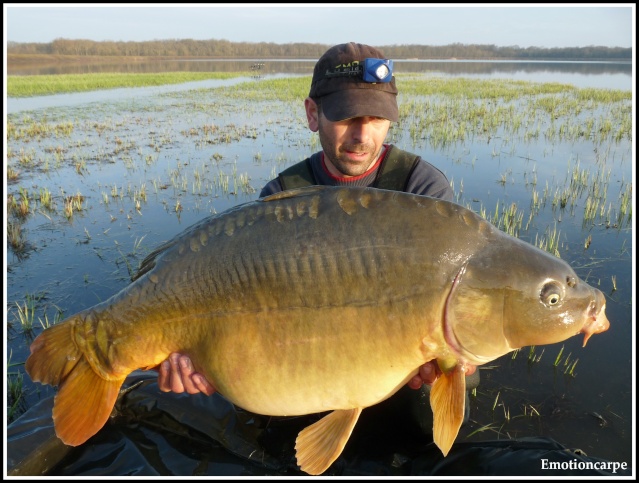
344 97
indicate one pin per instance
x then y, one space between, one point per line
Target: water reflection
268 66
604 75
508 67
305 66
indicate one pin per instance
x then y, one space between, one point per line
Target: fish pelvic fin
321 443
83 404
447 400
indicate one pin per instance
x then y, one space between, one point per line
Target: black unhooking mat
152 433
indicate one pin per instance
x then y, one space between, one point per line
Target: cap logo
345 70
369 70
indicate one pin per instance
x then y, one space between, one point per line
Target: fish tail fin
84 400
83 404
447 400
318 445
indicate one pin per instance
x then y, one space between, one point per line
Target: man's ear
312 114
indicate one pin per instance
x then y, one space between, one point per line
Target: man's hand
429 372
177 375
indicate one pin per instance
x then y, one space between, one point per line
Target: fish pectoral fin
447 400
83 404
318 445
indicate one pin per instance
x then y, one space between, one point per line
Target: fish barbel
288 303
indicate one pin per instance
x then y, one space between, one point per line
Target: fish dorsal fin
447 400
318 445
149 261
306 190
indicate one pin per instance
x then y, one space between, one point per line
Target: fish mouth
597 322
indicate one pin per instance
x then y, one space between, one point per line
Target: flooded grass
26 314
16 238
16 394
93 191
39 85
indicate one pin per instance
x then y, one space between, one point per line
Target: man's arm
271 188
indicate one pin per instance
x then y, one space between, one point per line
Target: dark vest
392 174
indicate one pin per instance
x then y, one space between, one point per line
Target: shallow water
198 152
607 75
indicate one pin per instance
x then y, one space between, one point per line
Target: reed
58 317
26 314
16 393
46 200
558 358
73 204
486 427
12 174
16 238
549 241
533 357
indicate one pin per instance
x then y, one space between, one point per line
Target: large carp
290 302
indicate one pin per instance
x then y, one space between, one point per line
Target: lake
127 169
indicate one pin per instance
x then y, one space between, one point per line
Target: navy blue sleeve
427 180
271 188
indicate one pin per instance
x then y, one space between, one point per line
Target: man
352 101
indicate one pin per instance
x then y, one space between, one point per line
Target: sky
530 25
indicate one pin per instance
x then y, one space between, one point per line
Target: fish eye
551 294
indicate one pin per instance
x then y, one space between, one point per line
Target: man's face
352 145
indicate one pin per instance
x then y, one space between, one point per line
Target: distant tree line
226 49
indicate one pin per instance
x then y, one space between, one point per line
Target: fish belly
302 361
